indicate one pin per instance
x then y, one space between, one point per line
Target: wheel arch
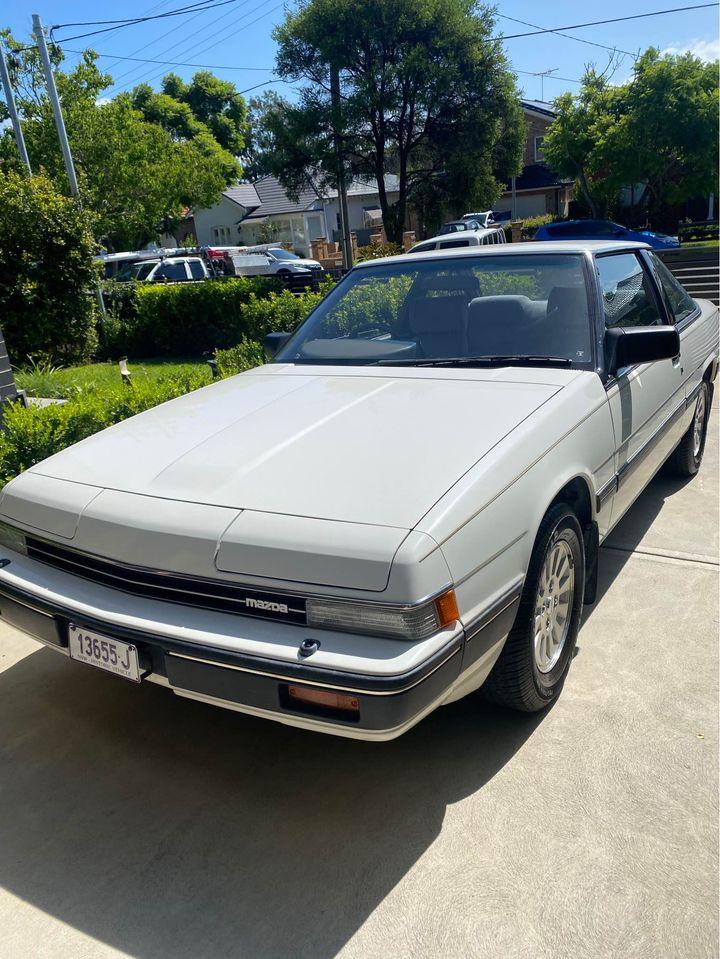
578 494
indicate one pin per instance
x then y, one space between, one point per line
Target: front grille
171 587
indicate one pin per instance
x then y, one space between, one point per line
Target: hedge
32 434
189 319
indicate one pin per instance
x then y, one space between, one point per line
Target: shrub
375 251
47 275
188 319
32 434
245 356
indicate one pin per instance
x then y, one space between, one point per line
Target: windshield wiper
509 359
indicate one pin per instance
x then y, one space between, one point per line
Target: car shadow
618 548
164 827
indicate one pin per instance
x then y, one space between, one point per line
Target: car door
645 399
696 338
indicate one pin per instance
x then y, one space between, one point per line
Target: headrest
500 309
566 298
466 282
435 314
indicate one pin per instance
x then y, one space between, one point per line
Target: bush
245 356
47 274
30 435
375 251
188 319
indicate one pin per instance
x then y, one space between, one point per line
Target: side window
423 248
196 270
679 302
452 244
627 292
565 230
171 271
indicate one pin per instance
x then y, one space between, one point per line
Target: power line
131 21
599 23
180 63
591 43
181 45
204 47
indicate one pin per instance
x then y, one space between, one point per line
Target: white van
455 241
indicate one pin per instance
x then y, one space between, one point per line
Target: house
537 189
260 212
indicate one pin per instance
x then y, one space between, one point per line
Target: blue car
603 230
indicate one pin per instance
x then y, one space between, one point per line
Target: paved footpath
133 823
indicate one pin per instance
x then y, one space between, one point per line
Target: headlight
12 538
415 623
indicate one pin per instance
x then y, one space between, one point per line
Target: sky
236 41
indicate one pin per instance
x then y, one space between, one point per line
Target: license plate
92 648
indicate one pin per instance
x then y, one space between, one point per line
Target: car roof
508 249
444 237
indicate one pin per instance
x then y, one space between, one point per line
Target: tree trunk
585 190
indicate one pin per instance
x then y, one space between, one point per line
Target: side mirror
274 342
625 346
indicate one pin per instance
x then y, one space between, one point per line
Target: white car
403 506
173 269
273 262
481 236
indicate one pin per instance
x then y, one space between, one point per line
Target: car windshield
464 310
284 255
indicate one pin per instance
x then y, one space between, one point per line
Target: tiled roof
539 106
244 194
273 200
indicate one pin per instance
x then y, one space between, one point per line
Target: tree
666 132
256 157
575 143
47 274
137 174
425 94
660 128
207 103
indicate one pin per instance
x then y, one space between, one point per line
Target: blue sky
239 35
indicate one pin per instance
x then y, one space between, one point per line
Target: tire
529 675
688 454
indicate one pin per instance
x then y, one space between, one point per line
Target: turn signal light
324 697
447 608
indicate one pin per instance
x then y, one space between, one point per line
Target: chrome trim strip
640 454
308 682
512 595
605 491
490 559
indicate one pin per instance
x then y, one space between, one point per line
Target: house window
221 235
538 149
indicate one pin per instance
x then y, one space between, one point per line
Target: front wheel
534 662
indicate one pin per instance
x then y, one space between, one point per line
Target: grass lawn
59 383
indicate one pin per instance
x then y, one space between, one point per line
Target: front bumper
388 705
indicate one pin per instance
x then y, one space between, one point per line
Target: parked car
460 226
601 230
171 269
485 219
403 506
274 262
478 237
176 269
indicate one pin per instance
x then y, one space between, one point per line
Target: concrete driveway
136 823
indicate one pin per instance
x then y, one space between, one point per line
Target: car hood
342 444
305 263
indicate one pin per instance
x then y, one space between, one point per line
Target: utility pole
342 187
55 102
12 110
59 123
